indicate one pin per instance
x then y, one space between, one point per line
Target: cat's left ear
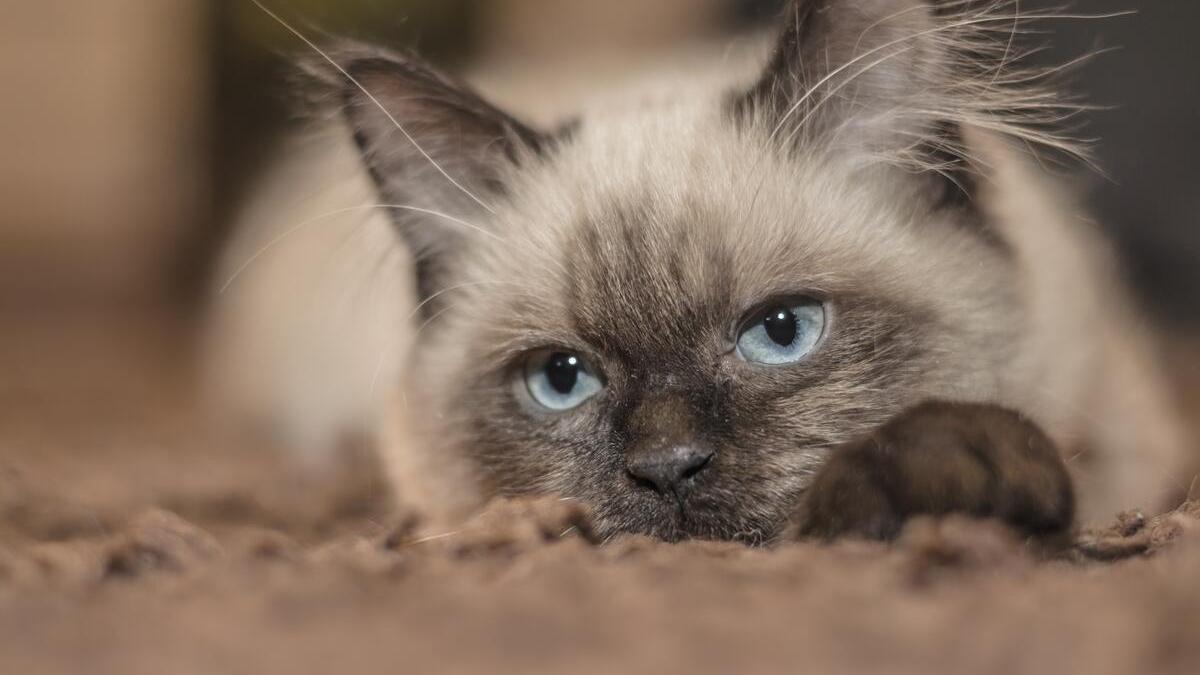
898 81
438 152
845 71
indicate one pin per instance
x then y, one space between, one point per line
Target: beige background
101 146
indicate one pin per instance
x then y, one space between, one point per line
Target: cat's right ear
438 152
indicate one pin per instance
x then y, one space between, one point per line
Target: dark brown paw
940 458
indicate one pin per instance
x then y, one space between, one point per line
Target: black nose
668 468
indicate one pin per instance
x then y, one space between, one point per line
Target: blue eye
560 381
783 333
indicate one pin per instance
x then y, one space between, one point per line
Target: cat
813 300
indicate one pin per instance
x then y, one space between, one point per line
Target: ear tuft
439 153
897 82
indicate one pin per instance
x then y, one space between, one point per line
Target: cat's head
672 313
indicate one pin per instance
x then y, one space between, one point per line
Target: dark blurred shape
1148 140
754 12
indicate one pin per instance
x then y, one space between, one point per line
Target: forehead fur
650 214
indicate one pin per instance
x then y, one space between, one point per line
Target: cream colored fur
315 330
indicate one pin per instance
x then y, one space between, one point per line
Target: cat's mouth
682 519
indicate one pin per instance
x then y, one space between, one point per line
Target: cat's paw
940 458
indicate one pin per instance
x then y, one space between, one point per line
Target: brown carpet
135 539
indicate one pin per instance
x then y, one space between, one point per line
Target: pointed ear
437 151
896 81
840 68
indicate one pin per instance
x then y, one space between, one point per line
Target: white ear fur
894 81
437 151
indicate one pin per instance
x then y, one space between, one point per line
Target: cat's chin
675 524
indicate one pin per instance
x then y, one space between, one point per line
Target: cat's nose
668 468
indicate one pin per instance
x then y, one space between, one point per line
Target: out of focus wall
553 29
101 146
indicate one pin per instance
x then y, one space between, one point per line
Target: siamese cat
816 299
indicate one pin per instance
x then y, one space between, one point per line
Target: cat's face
672 314
676 332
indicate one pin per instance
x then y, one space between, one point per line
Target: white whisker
349 209
379 361
848 81
391 118
1012 38
966 23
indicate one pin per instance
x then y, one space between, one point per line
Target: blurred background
132 129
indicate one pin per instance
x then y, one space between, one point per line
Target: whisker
1012 38
349 209
992 99
351 290
433 537
377 371
848 81
966 23
416 310
375 101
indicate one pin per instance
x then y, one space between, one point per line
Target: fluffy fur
874 165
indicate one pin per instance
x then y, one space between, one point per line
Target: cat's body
585 295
